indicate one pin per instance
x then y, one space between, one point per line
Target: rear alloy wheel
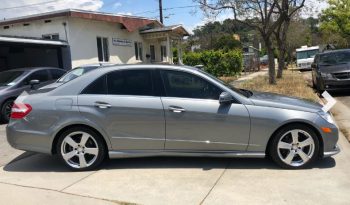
295 147
6 110
81 149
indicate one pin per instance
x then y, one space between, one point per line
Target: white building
70 38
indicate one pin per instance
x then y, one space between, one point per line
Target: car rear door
123 103
195 120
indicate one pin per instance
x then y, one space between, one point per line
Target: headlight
328 117
326 75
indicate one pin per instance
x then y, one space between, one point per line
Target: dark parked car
14 82
74 73
331 70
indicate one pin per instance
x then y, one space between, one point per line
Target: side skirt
182 153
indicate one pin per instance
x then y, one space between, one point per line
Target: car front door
124 105
195 120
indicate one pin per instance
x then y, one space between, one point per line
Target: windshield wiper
248 93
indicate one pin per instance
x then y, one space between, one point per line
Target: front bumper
333 152
335 84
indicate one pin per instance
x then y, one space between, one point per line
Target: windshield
245 93
307 54
76 72
335 58
8 78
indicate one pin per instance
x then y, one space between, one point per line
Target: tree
287 9
261 15
335 23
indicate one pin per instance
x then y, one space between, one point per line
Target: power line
29 5
169 8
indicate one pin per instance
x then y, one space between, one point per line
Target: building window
138 51
102 49
54 36
163 52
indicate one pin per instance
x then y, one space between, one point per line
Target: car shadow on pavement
46 163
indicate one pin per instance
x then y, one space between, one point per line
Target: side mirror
314 65
32 83
225 98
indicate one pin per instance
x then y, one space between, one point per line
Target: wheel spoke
69 155
284 145
290 157
82 161
306 142
93 151
71 142
295 136
84 139
303 156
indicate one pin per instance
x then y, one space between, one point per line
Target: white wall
37 28
82 40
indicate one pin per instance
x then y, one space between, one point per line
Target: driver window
186 85
41 75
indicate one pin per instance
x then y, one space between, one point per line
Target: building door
153 53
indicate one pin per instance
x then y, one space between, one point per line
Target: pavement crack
72 194
78 181
216 182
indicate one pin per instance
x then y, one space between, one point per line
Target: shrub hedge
218 63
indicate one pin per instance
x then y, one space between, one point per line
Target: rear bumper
332 152
27 140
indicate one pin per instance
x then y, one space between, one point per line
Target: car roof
34 69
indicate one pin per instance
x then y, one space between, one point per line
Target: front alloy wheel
295 147
81 149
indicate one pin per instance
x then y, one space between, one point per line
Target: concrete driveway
27 178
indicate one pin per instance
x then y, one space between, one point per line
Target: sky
188 15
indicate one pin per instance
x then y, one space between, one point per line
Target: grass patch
229 78
292 84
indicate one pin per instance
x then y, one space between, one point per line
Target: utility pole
160 11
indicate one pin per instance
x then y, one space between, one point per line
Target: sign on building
121 42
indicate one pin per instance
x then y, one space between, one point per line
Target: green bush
218 63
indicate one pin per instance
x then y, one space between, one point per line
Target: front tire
81 148
294 147
6 110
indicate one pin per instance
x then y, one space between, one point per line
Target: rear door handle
176 109
102 105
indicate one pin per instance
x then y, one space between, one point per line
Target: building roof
177 28
26 40
131 23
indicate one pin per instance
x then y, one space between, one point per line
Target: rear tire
294 147
6 110
81 148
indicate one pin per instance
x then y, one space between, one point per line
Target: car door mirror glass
225 98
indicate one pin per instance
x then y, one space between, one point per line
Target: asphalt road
27 178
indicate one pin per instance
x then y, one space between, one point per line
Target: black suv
331 70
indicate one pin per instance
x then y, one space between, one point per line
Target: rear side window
56 74
187 85
130 82
98 87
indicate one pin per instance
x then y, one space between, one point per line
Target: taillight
20 110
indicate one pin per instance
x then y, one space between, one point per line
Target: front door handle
102 105
176 109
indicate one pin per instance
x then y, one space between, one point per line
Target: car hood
284 102
51 86
335 68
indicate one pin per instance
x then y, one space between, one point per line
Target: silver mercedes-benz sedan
163 110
